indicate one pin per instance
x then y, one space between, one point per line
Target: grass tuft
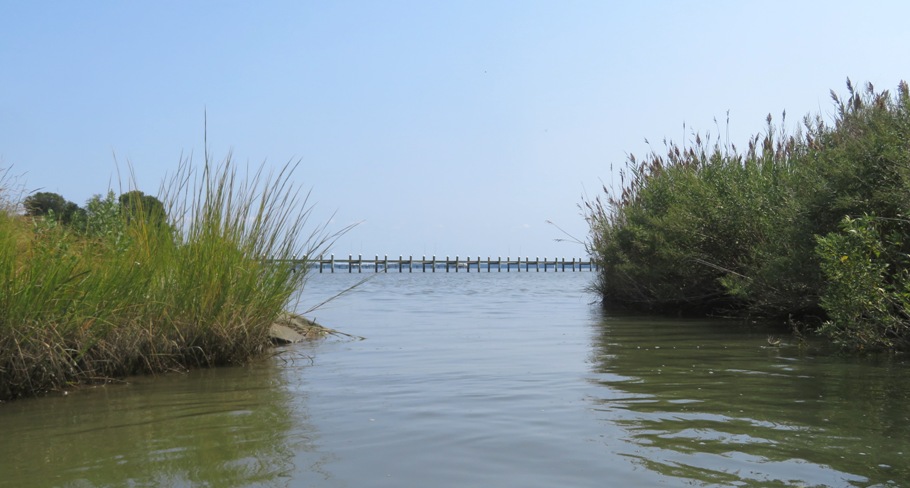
133 292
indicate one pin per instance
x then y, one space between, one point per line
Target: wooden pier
434 264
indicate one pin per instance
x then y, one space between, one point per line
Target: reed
124 294
772 230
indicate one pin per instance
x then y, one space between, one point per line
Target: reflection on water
710 401
483 379
221 427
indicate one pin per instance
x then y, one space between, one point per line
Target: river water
483 379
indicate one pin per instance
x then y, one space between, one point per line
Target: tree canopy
137 204
48 203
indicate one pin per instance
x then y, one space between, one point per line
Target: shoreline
292 328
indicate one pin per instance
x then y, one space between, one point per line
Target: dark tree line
51 204
133 204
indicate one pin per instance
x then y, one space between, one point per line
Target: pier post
560 264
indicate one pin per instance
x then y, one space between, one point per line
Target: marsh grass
683 233
141 295
771 230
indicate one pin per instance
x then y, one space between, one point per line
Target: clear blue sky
446 128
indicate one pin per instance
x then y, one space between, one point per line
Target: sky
439 128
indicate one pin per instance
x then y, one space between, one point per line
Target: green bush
688 231
867 296
710 229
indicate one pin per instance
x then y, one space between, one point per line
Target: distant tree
73 213
136 204
43 202
48 203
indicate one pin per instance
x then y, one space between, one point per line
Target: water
499 379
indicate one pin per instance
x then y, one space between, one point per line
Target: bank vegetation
135 284
810 226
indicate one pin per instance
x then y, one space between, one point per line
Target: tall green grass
127 295
764 231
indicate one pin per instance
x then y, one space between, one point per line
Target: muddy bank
292 328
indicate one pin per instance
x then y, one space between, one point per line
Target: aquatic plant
710 229
123 295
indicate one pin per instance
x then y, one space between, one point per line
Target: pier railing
433 264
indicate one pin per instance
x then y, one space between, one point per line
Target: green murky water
484 380
716 404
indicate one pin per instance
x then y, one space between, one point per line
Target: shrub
711 230
684 234
867 296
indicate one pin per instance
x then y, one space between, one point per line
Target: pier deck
383 264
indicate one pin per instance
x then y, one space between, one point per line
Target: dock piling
558 264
